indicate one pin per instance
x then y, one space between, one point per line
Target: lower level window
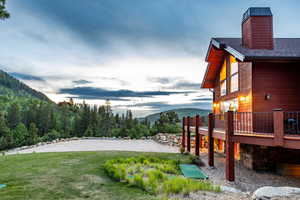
230 105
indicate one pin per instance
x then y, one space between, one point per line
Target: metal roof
257 11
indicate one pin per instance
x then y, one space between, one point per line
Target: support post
188 134
278 118
183 133
197 145
229 147
210 140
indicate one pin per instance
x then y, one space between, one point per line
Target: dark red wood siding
281 80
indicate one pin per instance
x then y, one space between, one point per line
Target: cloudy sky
144 55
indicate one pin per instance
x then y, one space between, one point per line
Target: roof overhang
214 57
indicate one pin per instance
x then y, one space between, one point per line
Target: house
255 82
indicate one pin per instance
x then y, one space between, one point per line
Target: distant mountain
182 112
11 86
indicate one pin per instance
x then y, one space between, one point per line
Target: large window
223 79
230 105
234 75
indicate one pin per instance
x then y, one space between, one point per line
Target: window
234 75
223 85
223 88
230 105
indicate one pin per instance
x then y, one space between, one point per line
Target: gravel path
246 180
101 145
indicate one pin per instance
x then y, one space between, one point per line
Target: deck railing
219 121
248 122
292 123
256 123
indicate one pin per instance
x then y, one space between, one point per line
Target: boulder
269 192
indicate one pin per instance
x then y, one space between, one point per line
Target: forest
39 121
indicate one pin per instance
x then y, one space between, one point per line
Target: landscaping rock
269 192
230 189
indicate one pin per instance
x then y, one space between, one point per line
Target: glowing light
243 98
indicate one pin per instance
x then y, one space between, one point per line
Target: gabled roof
286 49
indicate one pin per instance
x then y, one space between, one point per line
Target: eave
214 58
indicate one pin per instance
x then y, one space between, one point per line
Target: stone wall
168 139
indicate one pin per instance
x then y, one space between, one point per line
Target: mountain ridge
181 112
9 85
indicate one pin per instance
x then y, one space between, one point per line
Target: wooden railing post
197 145
183 133
188 134
229 146
278 121
210 140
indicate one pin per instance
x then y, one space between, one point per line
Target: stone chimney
257 28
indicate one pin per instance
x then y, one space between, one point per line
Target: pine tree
6 138
20 134
14 115
89 132
32 134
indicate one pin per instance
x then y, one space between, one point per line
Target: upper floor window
223 85
234 75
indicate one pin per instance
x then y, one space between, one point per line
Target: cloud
101 23
203 99
27 77
184 85
94 92
82 82
163 106
161 80
90 97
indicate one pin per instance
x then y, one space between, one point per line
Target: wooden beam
210 140
197 138
188 134
278 118
256 140
229 147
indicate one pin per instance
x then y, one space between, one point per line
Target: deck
276 129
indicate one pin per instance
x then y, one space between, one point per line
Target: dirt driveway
101 145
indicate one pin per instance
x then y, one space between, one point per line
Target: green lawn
74 175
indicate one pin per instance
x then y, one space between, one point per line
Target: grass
156 176
74 175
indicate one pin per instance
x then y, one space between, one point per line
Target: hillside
182 112
12 87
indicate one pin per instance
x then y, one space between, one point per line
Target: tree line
40 121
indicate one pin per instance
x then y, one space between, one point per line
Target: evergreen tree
20 134
32 134
3 12
14 115
89 132
6 138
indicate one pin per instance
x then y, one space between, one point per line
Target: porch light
215 105
243 98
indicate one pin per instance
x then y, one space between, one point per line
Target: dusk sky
143 55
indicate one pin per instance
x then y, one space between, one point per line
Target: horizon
111 50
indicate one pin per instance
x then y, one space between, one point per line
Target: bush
52 135
154 175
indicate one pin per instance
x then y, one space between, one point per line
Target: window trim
238 77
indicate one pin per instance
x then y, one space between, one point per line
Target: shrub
138 181
154 175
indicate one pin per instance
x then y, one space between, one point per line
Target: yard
72 175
